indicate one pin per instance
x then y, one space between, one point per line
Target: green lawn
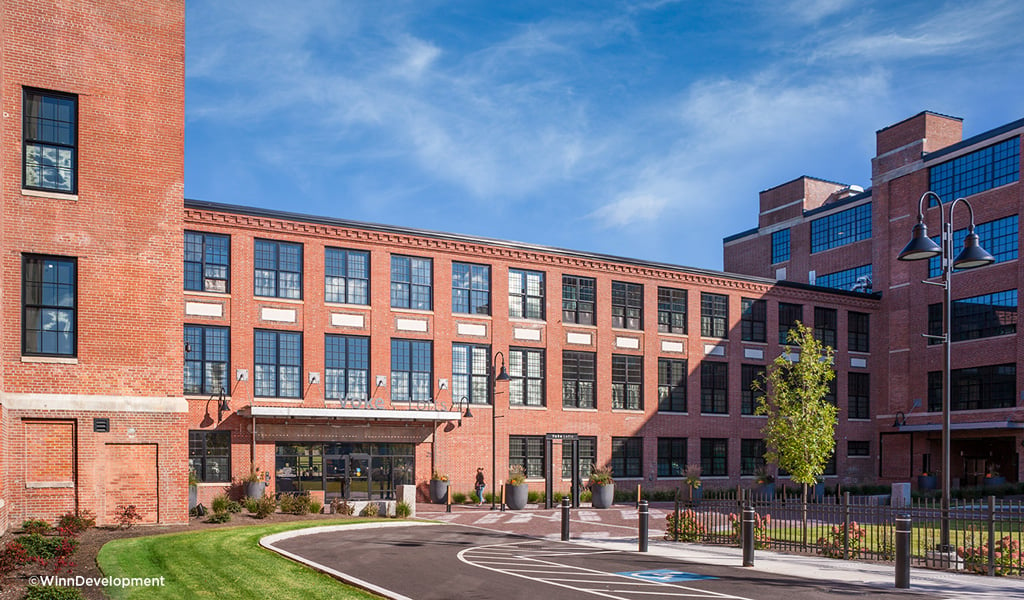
219 563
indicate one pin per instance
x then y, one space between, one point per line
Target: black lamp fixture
502 376
464 415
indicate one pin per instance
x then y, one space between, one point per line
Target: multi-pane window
858 330
209 455
207 262
841 228
471 289
627 305
832 392
527 451
671 385
976 388
976 172
49 306
855 279
999 237
50 141
278 362
714 387
753 320
752 456
977 317
830 466
525 294
411 282
749 396
780 246
714 456
627 456
825 324
714 315
411 370
470 369
207 351
587 457
789 314
858 448
278 269
627 382
346 276
858 387
346 367
526 370
671 310
578 379
578 299
671 457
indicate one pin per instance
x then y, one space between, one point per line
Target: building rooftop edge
930 156
914 116
795 179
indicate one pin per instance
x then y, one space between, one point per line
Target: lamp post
502 376
922 247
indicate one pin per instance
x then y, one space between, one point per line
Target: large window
753 320
50 141
347 367
411 282
999 237
858 448
578 299
346 276
714 457
526 370
789 314
627 457
714 387
587 457
525 294
471 289
858 329
627 305
578 379
859 395
207 351
470 365
278 359
209 455
278 269
841 228
207 262
855 279
714 315
627 382
825 324
671 457
411 371
780 246
749 396
976 172
977 317
671 385
49 304
671 310
527 451
752 456
976 388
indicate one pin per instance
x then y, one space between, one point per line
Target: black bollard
748 536
903 551
565 519
644 516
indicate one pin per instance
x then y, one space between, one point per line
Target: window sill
205 397
704 414
525 320
54 360
285 400
51 195
458 315
411 311
626 330
629 411
208 294
674 334
276 299
678 413
577 409
524 407
45 485
579 325
346 305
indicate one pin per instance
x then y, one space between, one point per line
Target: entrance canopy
963 426
367 414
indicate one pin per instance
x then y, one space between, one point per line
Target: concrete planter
927 482
602 494
516 496
255 489
438 491
193 496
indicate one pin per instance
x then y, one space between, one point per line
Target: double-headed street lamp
922 247
502 376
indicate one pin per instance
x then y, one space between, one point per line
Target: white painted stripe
204 309
411 325
280 315
532 335
347 320
572 337
667 346
475 329
99 403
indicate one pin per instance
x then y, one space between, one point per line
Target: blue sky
639 129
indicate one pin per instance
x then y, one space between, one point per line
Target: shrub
250 504
341 506
534 497
219 517
126 516
12 557
46 547
403 510
1008 556
52 592
690 528
220 503
460 498
234 507
315 507
516 475
265 507
836 538
36 526
370 510
762 538
299 504
75 523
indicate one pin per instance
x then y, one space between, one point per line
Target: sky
640 129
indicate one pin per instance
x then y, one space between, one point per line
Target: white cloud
630 210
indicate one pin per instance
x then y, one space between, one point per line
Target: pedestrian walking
480 485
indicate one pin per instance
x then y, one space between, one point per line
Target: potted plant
438 488
516 490
255 484
691 477
992 477
602 487
765 484
926 481
193 489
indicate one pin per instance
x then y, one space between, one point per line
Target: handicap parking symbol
666 575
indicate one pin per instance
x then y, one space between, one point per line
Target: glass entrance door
357 476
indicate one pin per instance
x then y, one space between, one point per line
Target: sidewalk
616 529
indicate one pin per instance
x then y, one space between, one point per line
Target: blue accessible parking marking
665 575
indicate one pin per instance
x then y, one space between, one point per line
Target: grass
223 563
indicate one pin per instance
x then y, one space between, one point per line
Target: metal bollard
565 519
748 536
644 516
903 551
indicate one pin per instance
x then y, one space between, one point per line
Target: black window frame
789 315
976 388
521 296
277 269
355 361
281 338
977 317
714 457
749 374
841 228
208 269
672 377
587 457
31 126
466 295
471 382
627 457
575 366
199 450
714 315
33 294
858 395
753 320
826 326
858 448
528 380
338 274
627 382
408 284
527 451
780 246
672 310
858 331
672 456
627 305
752 459
201 349
714 387
413 353
578 295
986 168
